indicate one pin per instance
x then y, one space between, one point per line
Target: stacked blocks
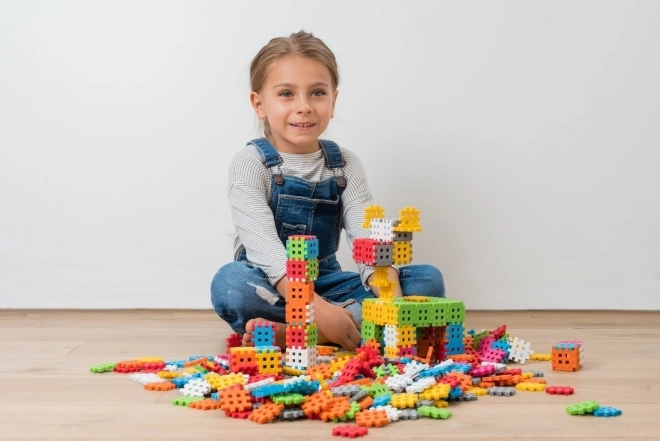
567 356
301 331
413 325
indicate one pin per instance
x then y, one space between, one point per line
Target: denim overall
241 291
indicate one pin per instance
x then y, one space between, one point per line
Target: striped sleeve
355 199
249 185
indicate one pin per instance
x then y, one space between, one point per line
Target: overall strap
269 155
334 160
333 156
270 158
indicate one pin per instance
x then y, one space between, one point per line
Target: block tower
410 325
301 271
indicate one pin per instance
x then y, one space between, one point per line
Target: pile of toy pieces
386 379
362 387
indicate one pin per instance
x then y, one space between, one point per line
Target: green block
185 401
289 399
423 315
371 331
378 389
437 312
434 412
312 335
585 407
455 311
101 368
406 312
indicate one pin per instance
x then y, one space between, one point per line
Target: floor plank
49 394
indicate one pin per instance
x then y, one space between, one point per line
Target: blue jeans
240 292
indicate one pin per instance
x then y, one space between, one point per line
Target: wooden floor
48 393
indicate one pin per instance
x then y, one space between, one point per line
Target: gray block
292 414
360 395
408 414
502 391
345 391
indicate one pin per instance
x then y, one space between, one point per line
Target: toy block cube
263 334
373 252
302 247
406 312
368 310
269 360
302 270
302 359
566 357
301 292
383 229
455 311
399 336
301 337
402 253
437 312
299 314
242 358
371 331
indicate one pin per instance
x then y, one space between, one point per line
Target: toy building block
433 412
566 357
559 390
520 351
302 270
242 358
207 404
263 334
349 431
101 368
585 407
382 230
502 391
372 212
302 247
606 411
373 252
235 401
266 413
373 418
541 357
269 360
409 219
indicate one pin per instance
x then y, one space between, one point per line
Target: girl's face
298 100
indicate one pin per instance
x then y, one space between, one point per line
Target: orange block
266 413
160 386
301 292
372 418
207 404
338 407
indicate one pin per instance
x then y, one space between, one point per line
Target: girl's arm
252 217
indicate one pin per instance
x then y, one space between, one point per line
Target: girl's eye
286 93
318 92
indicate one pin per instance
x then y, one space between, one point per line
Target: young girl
292 182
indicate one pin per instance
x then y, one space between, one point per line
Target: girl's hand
336 324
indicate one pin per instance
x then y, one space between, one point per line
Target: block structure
301 331
406 326
567 356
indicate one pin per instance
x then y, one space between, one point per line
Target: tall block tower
302 270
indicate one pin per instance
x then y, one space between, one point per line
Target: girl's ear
257 105
334 101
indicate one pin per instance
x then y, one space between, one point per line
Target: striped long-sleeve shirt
250 191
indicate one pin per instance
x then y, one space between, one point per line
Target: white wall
527 133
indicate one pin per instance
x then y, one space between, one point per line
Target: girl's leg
421 280
240 292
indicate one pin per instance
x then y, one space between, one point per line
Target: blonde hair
301 44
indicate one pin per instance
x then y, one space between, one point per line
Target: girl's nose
304 106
